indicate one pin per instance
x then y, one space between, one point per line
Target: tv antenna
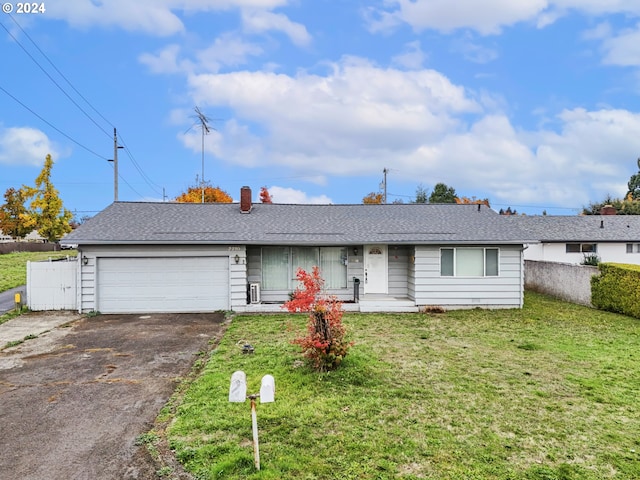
204 123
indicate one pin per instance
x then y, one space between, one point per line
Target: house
570 239
5 238
181 257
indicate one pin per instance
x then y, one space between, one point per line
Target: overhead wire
58 70
53 126
127 149
51 78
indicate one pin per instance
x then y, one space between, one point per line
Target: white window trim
455 259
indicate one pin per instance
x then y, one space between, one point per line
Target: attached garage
162 284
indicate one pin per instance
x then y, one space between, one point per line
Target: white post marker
238 393
238 387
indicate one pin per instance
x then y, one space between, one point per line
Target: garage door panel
167 284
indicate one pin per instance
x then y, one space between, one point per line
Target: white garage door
167 284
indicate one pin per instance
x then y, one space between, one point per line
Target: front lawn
546 392
13 266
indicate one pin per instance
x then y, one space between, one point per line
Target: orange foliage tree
265 196
472 201
211 195
373 198
324 345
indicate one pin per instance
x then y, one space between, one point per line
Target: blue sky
534 104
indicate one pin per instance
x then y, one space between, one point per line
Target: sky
533 104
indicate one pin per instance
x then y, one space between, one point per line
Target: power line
129 153
52 79
58 70
144 176
53 126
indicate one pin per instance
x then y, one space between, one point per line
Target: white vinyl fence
52 285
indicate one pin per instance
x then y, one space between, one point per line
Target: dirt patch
75 399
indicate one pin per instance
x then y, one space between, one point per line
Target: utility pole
115 165
385 171
205 129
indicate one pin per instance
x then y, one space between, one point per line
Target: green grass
547 392
13 266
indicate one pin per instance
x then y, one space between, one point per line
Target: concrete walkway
33 324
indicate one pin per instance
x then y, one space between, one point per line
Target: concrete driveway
74 399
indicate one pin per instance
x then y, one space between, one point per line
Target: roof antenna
204 121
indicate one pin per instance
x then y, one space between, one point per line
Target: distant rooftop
580 228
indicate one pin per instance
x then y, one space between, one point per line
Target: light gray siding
411 275
237 280
503 291
399 271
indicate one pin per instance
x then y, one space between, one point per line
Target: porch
369 303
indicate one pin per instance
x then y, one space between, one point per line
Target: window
469 262
633 247
280 264
275 268
581 248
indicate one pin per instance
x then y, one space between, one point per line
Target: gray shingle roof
133 222
581 228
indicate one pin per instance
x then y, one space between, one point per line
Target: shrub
617 289
324 345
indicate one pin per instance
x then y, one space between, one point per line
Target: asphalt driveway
74 399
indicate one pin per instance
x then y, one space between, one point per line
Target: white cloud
312 121
228 50
360 118
25 146
474 51
489 17
623 49
260 21
413 57
159 17
166 61
291 195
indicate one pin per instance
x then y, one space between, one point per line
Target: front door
375 269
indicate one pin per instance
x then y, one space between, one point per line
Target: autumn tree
46 211
628 206
265 196
421 194
472 201
373 198
324 345
13 214
211 194
442 194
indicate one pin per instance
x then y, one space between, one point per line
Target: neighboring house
182 257
34 236
5 238
570 239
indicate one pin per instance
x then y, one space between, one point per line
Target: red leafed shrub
324 345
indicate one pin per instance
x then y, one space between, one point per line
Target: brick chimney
245 200
608 210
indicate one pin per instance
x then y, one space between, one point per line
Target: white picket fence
52 285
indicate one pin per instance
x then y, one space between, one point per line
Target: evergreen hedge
617 288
